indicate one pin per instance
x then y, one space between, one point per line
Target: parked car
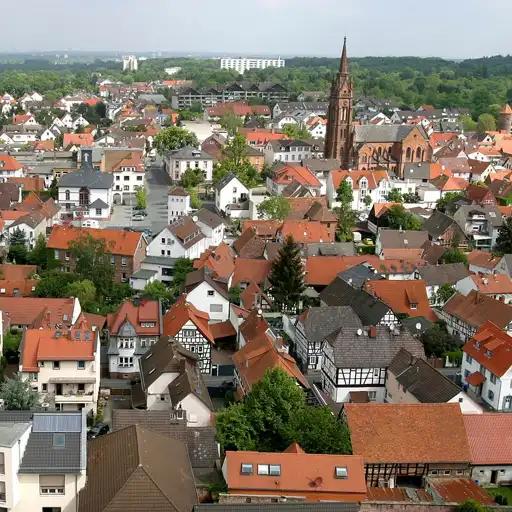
138 216
98 430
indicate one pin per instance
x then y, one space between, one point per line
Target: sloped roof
136 314
182 312
447 273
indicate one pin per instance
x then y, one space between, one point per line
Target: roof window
59 440
341 472
246 469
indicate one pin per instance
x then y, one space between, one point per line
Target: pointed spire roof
344 59
294 448
506 109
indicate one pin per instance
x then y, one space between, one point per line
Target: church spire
344 59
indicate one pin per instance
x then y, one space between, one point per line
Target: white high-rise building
130 63
243 64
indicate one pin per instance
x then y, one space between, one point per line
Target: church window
408 154
418 154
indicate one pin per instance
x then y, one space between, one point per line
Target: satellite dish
195 218
418 326
260 312
359 332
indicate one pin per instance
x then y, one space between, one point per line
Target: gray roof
395 239
321 164
411 324
189 153
144 274
98 204
383 133
163 261
369 309
420 379
209 218
10 432
278 507
86 176
438 223
330 249
152 98
358 275
321 321
492 214
417 171
189 382
224 181
357 348
202 446
449 273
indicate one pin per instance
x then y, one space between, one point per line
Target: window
469 359
125 362
80 365
139 178
490 395
118 178
2 492
2 463
341 472
215 308
81 388
56 365
126 178
433 472
211 293
189 333
246 469
447 472
493 378
51 485
59 440
125 343
263 469
68 195
98 211
372 396
44 387
275 469
123 261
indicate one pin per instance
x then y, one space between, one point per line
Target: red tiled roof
182 312
492 284
458 490
251 271
220 260
118 241
147 311
77 139
475 379
408 433
9 163
373 178
483 259
492 348
239 108
302 175
490 438
263 228
29 183
35 311
48 345
307 231
260 137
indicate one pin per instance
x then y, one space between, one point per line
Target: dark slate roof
321 321
411 324
190 381
369 309
189 153
98 204
202 446
87 177
330 249
438 223
356 348
224 181
278 507
196 277
209 218
384 133
448 273
420 379
417 171
358 275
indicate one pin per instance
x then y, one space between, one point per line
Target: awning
475 379
72 380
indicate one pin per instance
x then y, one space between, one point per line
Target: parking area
157 186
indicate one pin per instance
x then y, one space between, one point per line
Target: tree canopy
172 138
274 208
18 394
504 240
346 216
399 218
437 341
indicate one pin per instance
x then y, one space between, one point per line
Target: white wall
201 299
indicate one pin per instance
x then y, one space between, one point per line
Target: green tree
18 394
92 262
471 506
141 196
53 190
18 247
192 178
444 293
454 255
486 123
287 277
468 124
41 256
296 131
85 291
182 267
158 291
437 341
367 200
504 240
231 123
447 203
173 138
195 201
54 283
275 208
399 218
394 196
234 430
12 340
346 216
234 295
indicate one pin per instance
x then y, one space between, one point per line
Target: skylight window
341 472
246 469
59 440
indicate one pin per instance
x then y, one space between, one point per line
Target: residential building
17 280
170 379
292 175
483 262
480 224
292 476
403 443
190 327
464 315
505 265
436 276
167 485
285 150
230 193
86 193
487 366
177 162
43 460
310 329
130 63
242 64
63 365
355 361
10 167
127 168
182 238
411 380
389 240
32 225
126 248
211 225
178 203
444 230
490 444
132 330
497 286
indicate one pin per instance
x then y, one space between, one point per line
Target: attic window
477 344
59 440
341 472
246 469
414 305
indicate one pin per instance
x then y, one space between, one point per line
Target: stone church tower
339 137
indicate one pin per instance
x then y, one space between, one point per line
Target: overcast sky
446 28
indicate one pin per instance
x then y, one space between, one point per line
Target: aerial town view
256 256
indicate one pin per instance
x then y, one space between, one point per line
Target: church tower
338 140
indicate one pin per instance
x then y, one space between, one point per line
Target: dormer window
246 469
414 305
341 472
269 469
477 344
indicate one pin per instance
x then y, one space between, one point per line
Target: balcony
71 398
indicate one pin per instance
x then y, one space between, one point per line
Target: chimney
372 332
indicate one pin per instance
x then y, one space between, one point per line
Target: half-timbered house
190 328
356 360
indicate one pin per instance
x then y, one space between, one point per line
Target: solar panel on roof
55 422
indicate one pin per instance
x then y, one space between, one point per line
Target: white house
46 479
67 120
177 162
178 203
356 360
127 168
182 238
32 225
211 225
47 134
79 122
86 193
230 192
291 151
63 365
487 366
171 380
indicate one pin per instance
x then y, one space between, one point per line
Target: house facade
177 162
228 192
